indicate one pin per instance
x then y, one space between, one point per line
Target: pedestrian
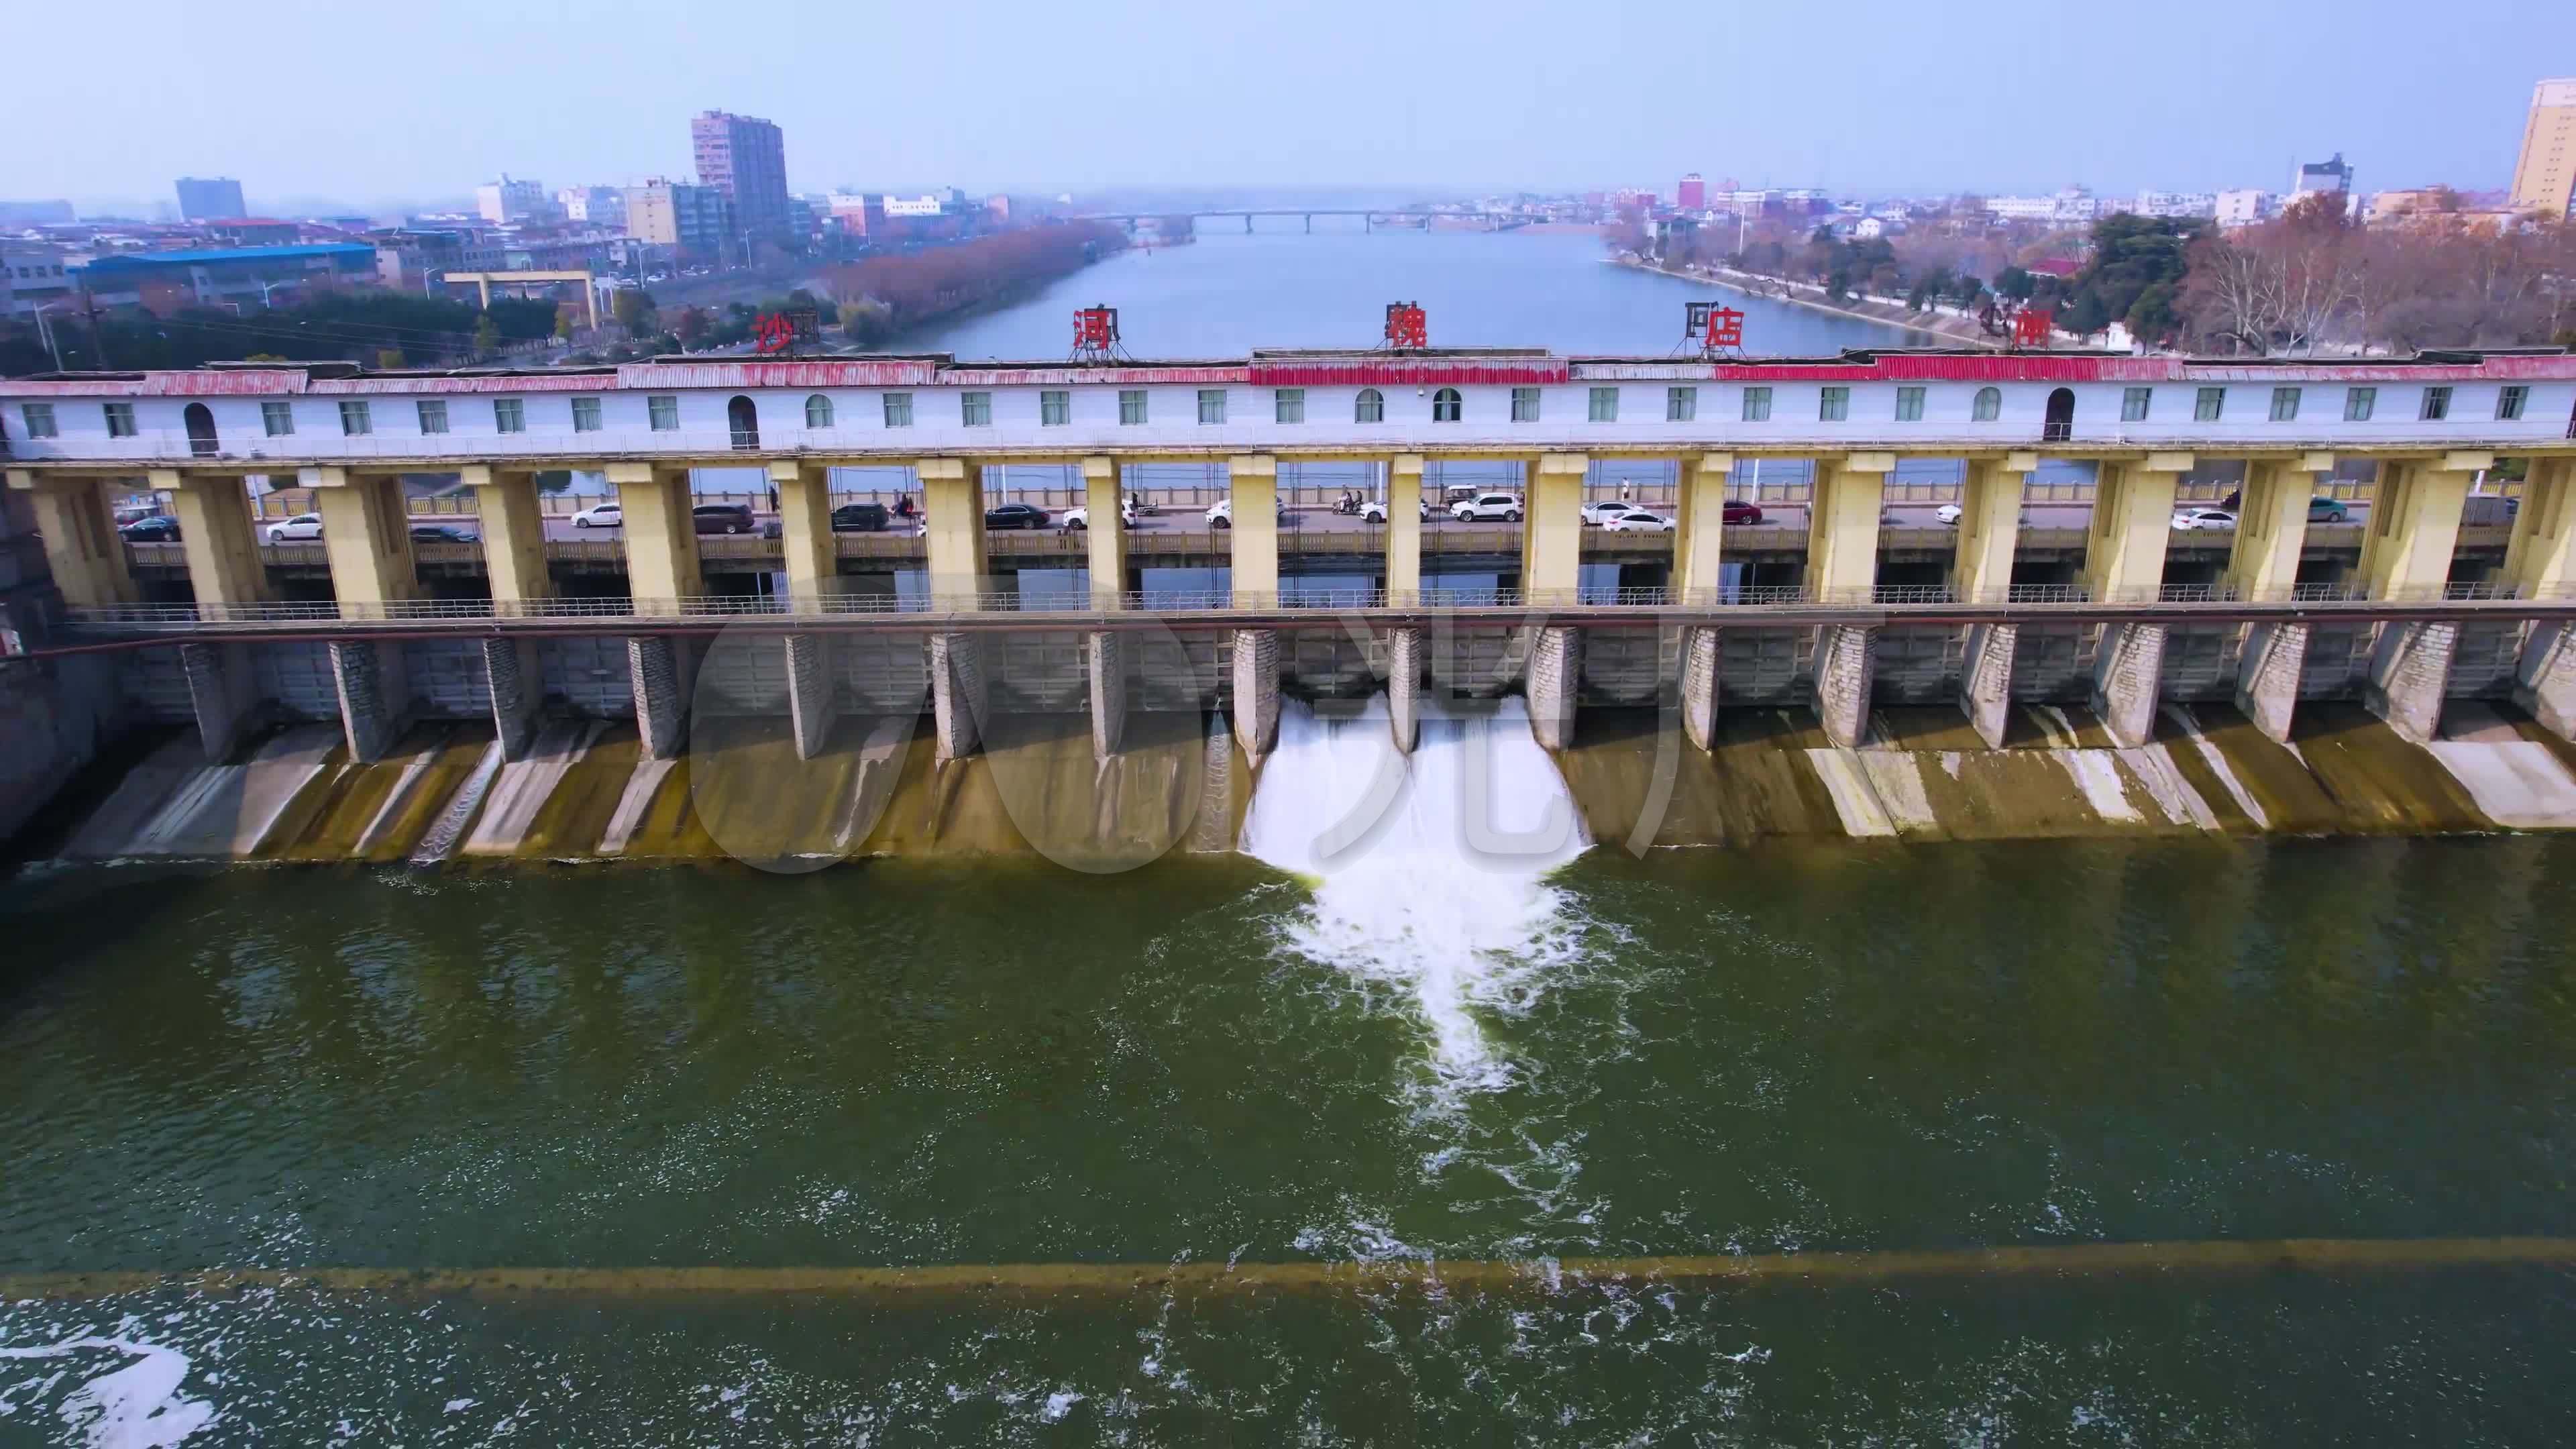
773 498
1625 493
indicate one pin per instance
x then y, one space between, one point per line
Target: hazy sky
375 103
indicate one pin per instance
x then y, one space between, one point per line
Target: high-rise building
697 220
1692 195
504 201
2544 180
597 205
210 198
2317 176
744 157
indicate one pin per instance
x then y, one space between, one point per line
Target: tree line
880 298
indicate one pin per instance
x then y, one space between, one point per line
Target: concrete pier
82 547
1844 665
517 683
1985 684
1256 691
2128 666
1404 686
2268 670
2410 671
366 534
1702 649
661 673
375 696
812 702
1555 669
957 698
661 534
1105 535
220 694
2545 680
514 533
1104 661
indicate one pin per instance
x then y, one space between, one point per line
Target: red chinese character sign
1095 333
1406 326
1725 328
773 332
1712 328
2032 327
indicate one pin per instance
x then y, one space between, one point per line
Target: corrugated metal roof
124 261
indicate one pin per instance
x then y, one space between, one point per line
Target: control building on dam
2439 592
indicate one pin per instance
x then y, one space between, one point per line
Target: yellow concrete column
661 536
2414 524
805 530
514 532
1103 501
1552 528
366 533
224 565
952 510
1253 485
1698 527
2272 525
1404 529
2133 502
82 548
1990 527
2540 559
1842 525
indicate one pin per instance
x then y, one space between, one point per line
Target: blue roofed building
164 282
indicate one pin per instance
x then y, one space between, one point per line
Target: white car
1487 506
1948 513
301 526
1222 515
1080 516
1374 511
1637 520
1602 510
600 515
2191 519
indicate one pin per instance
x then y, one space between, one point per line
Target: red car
1740 513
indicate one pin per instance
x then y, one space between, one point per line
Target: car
600 515
439 533
721 518
1637 520
2328 510
1222 514
860 518
1080 515
1735 512
1947 513
1487 506
1602 510
1374 511
301 526
1015 515
2189 519
151 528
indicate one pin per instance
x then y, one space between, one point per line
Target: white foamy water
1430 874
133 1405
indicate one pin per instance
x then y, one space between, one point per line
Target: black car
159 528
721 518
1015 515
439 533
859 518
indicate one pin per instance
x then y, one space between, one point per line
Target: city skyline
1444 98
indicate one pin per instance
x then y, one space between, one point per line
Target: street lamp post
45 331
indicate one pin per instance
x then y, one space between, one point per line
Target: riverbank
1946 325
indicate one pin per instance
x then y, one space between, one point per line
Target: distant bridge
1370 217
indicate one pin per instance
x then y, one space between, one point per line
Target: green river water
1836 1048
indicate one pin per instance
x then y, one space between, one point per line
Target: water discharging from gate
1430 875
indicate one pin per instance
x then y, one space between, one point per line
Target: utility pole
89 305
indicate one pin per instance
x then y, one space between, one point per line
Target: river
1453 1130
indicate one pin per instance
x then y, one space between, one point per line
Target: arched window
744 417
1990 404
1371 408
818 411
2059 424
201 430
1445 405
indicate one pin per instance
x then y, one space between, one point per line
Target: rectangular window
2209 404
1524 404
975 409
2359 403
898 409
585 415
2134 402
509 415
433 417
1909 404
664 413
40 419
2285 404
354 421
1055 409
120 419
2437 405
1131 407
1757 404
1288 405
1605 405
278 418
1681 404
1833 404
2509 403
1211 405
